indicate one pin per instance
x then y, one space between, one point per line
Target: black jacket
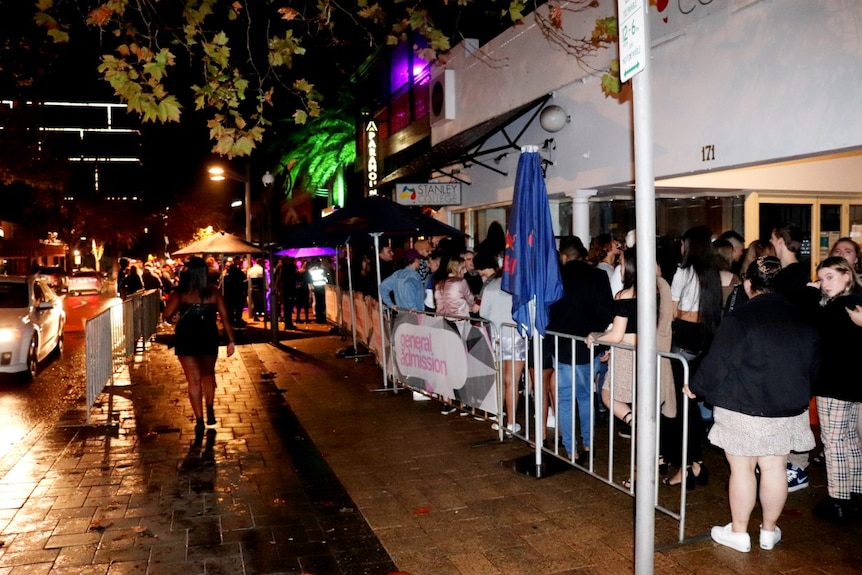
762 361
586 306
841 340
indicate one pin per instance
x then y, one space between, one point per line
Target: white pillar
554 204
581 213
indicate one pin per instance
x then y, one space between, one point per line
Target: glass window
399 111
856 223
399 68
830 229
421 95
13 296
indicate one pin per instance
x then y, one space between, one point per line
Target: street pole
247 202
273 300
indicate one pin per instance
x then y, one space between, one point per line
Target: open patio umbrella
220 243
530 270
309 252
369 216
373 216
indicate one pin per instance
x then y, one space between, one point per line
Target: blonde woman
452 295
838 395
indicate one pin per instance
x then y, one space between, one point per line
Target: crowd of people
763 342
297 284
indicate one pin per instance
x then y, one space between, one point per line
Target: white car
32 319
85 281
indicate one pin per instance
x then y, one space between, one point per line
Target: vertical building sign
371 158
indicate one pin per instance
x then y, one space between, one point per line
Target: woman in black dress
196 336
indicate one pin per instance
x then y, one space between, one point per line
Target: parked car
32 320
86 281
55 276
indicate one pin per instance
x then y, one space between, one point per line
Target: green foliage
137 78
606 32
244 54
315 153
252 60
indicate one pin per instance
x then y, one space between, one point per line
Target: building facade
752 110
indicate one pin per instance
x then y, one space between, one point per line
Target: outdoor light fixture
267 179
236 203
216 174
553 118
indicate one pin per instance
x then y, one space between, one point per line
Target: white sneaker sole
724 536
797 487
771 539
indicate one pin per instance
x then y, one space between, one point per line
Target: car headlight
8 334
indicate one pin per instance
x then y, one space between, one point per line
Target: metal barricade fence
114 336
429 353
605 456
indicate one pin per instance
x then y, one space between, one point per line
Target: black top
841 341
628 308
762 361
792 280
586 306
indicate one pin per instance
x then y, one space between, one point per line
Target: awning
468 146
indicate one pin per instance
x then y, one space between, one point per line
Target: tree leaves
241 53
137 76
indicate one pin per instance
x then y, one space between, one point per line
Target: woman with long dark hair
696 293
196 336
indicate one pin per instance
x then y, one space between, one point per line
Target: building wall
758 80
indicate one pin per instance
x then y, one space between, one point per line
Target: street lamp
268 180
218 174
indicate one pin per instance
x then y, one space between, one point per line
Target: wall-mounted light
553 118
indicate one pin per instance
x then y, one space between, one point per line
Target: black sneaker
838 511
583 458
624 430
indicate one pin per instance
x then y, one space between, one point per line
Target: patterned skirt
751 436
624 375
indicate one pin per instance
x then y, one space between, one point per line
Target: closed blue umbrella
530 268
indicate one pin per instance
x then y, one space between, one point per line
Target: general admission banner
454 359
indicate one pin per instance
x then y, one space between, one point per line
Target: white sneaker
552 421
724 535
510 428
768 539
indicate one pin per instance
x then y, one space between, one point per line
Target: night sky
174 155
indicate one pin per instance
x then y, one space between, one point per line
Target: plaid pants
841 449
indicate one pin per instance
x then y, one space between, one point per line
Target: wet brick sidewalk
312 469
